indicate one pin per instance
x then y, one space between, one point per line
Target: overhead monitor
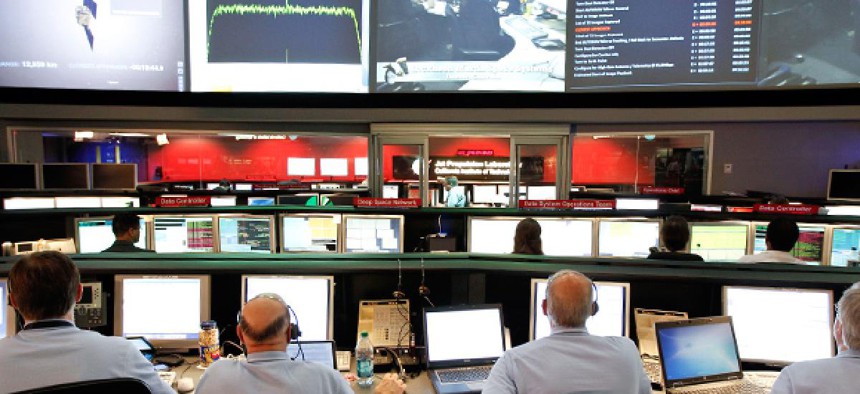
540 193
183 234
334 166
627 238
7 313
114 176
373 233
809 247
843 185
246 234
781 326
719 241
65 176
19 176
164 309
612 318
310 297
316 232
846 244
93 235
559 236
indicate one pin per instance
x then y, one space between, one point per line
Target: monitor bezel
825 257
829 197
272 232
163 344
10 316
147 221
343 228
216 237
828 238
593 221
85 166
534 315
93 175
37 181
331 288
830 312
720 223
339 245
600 220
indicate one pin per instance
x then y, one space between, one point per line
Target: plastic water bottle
364 361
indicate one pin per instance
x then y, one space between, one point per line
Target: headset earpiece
295 333
594 306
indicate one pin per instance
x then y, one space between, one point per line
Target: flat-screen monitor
373 233
114 176
540 193
93 235
303 199
310 297
164 309
310 232
719 241
7 313
390 191
843 185
846 244
320 352
809 247
612 318
246 233
19 176
627 238
261 201
183 234
65 176
781 326
559 236
485 194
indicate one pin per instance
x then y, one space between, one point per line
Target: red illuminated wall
610 161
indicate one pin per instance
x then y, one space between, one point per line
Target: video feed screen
272 45
477 45
846 243
183 234
93 44
245 234
611 318
809 246
560 237
373 234
766 319
723 242
96 235
143 312
627 239
316 233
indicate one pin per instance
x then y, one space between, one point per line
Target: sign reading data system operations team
624 43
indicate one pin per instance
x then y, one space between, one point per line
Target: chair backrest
114 385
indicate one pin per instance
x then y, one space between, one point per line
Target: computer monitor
560 236
183 234
779 325
809 247
845 244
540 193
7 313
320 352
317 232
303 199
485 194
373 233
246 234
843 185
18 176
627 238
261 201
164 309
95 234
610 320
719 241
390 191
114 176
310 297
65 176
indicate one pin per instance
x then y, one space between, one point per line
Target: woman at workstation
527 237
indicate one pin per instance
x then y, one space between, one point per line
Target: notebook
701 356
645 319
462 343
320 352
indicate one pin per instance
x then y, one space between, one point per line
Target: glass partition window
480 164
402 166
537 171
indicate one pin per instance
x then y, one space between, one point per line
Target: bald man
570 360
264 328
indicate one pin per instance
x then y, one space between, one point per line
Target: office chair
114 385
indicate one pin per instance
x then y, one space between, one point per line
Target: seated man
264 328
126 229
675 234
781 236
570 359
43 288
840 374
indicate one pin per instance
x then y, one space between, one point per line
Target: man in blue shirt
840 374
43 288
570 360
456 196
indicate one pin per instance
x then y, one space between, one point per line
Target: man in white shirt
781 236
570 360
836 375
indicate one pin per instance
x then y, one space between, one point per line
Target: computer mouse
184 385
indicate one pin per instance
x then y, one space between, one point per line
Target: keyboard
734 387
167 377
524 27
652 369
470 374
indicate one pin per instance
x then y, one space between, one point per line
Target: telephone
91 311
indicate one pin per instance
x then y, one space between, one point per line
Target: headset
295 332
595 295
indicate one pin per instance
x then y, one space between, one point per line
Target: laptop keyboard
735 387
464 374
652 369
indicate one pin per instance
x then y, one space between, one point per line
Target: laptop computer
701 355
645 319
320 352
463 343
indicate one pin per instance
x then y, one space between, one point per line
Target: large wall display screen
93 44
277 45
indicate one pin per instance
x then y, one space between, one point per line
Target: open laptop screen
698 350
320 352
463 334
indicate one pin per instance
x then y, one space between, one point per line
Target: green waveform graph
284 33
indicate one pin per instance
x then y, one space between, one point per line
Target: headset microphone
423 290
398 294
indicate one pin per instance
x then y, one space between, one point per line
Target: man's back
770 256
840 374
271 372
47 356
570 361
